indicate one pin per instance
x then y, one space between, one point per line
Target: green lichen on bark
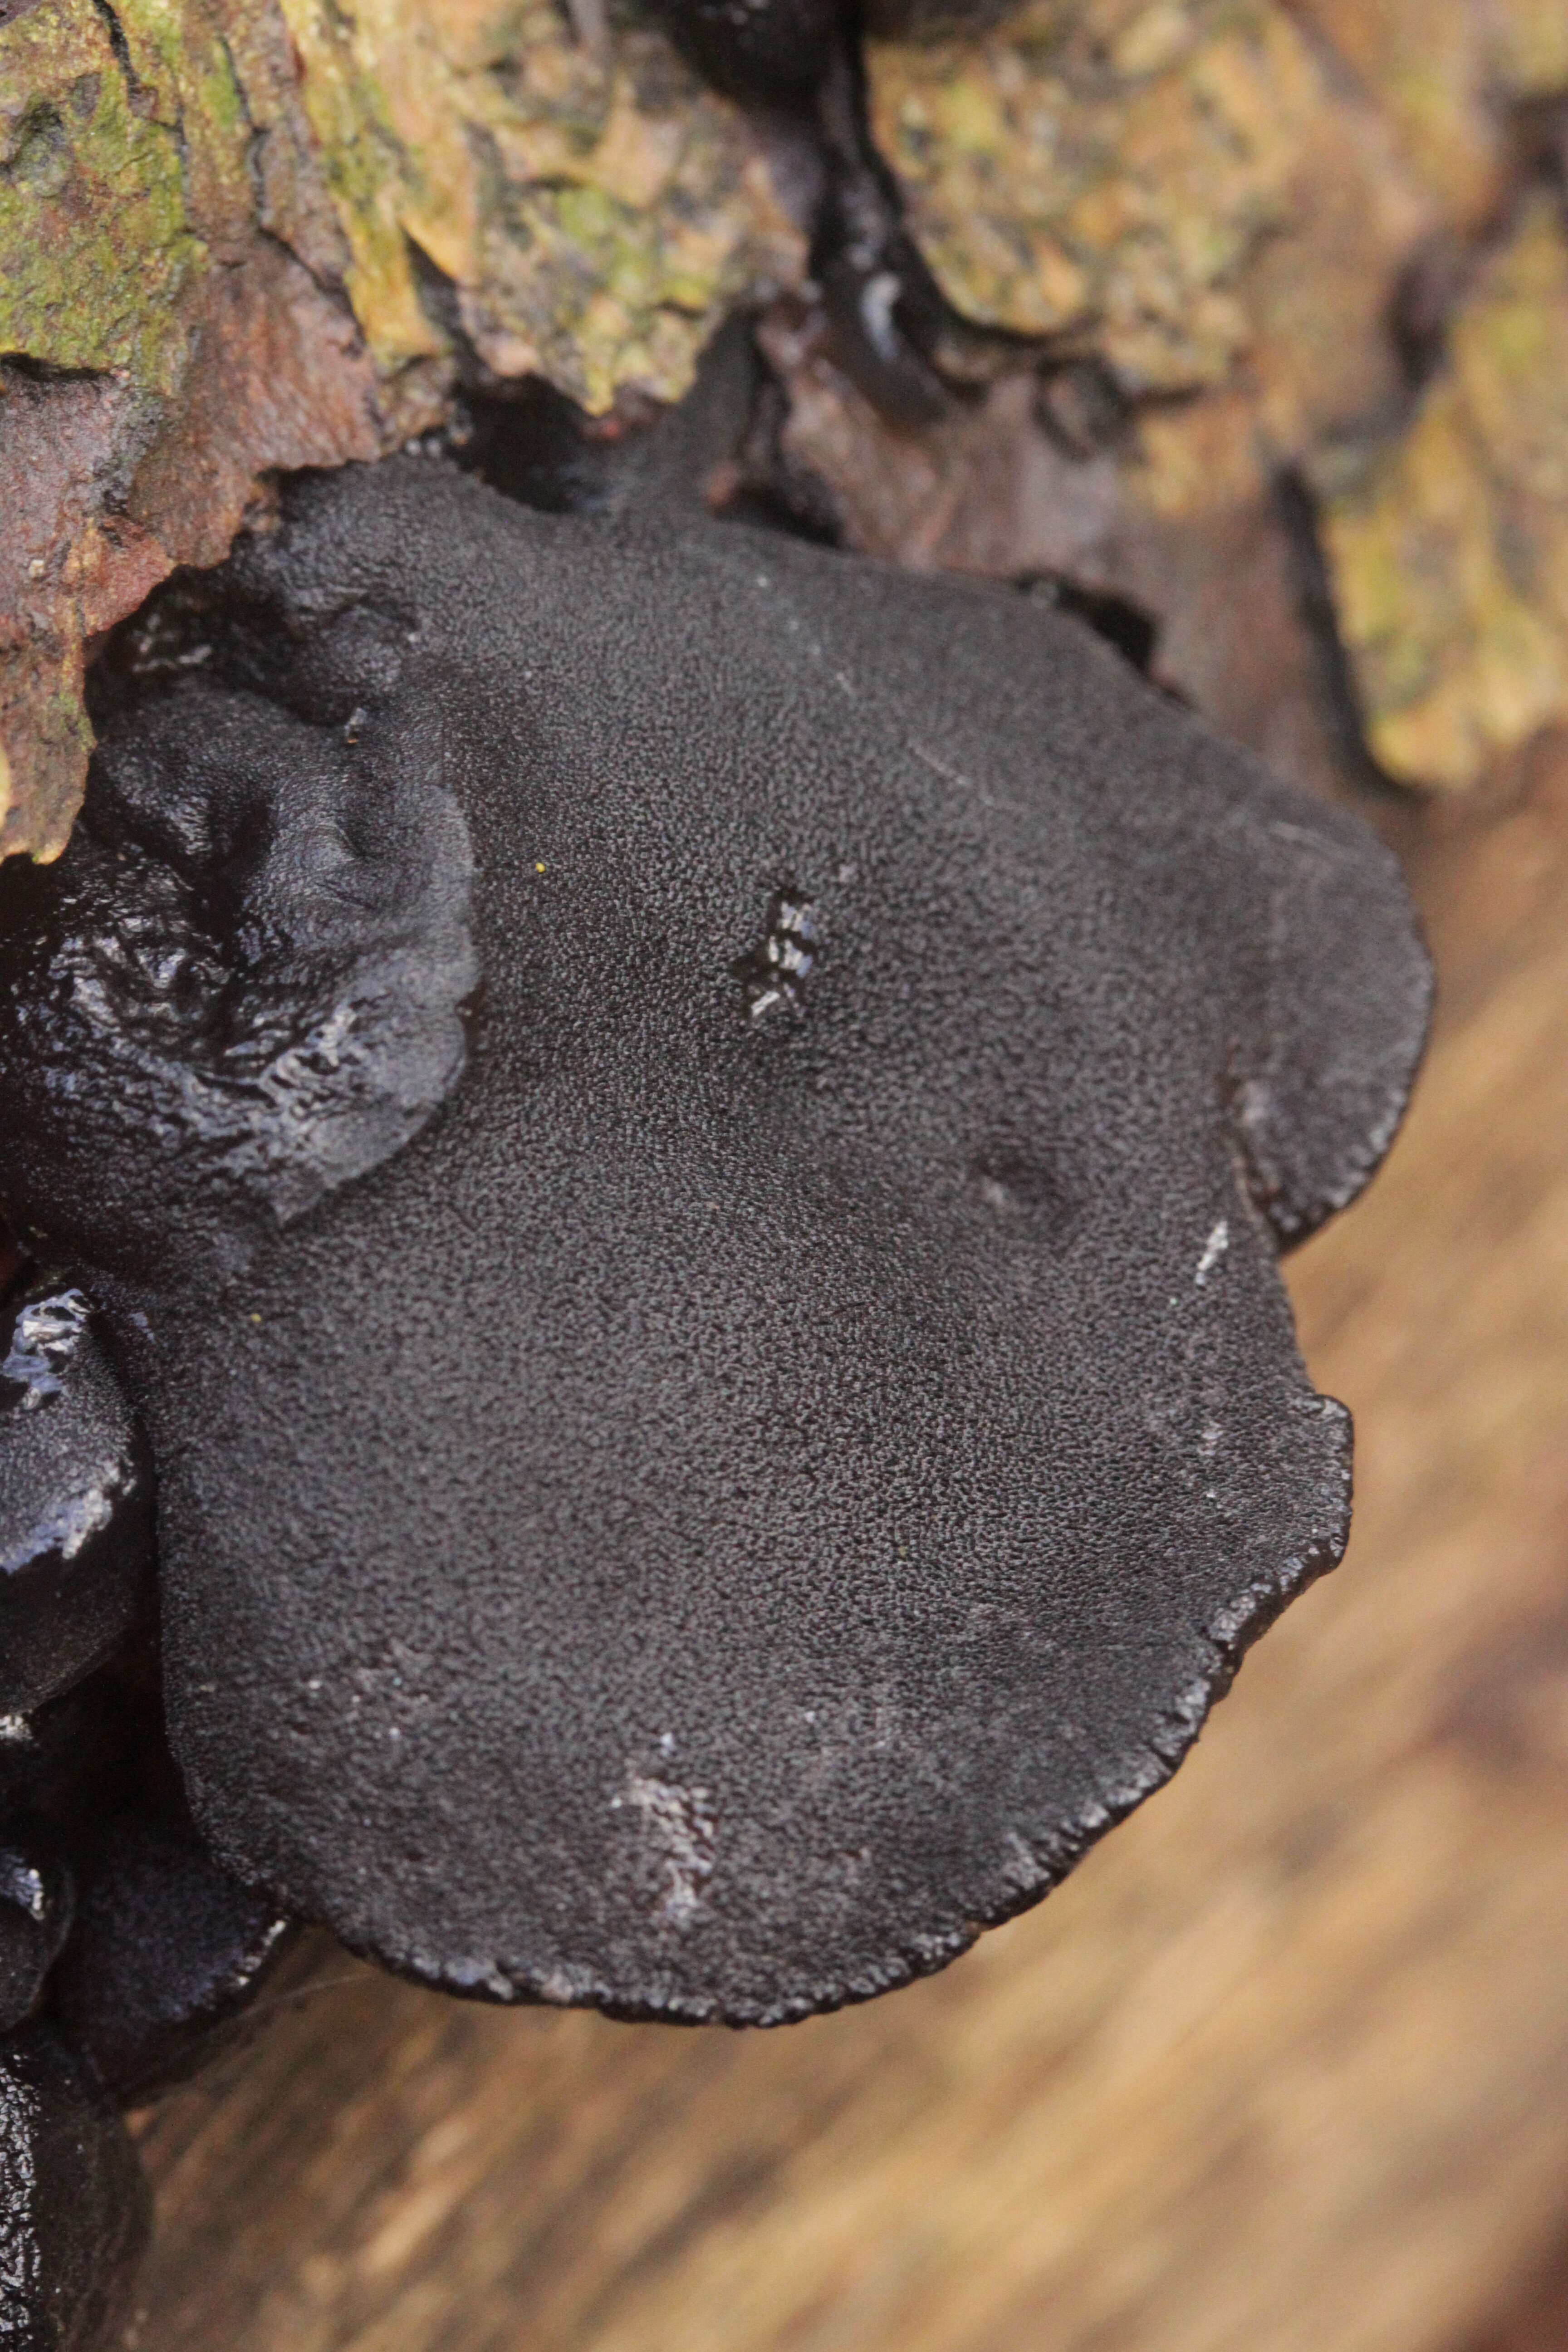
231 217
362 164
1449 552
95 242
1105 169
594 210
214 210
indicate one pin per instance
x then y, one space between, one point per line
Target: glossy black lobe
36 1901
76 1500
231 995
73 2206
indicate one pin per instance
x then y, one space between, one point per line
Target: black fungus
69 1760
244 986
166 1951
719 1509
531 443
37 1898
73 2206
770 52
76 1500
776 53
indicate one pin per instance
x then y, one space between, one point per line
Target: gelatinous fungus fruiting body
76 1502
125 1950
682 1142
73 2209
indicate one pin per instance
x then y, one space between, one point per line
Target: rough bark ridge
238 238
1217 246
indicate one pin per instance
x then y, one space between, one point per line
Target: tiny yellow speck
538 868
255 1319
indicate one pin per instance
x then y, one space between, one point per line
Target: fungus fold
683 1141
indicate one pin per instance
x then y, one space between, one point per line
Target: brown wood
1284 2068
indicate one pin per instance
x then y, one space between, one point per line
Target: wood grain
1283 2068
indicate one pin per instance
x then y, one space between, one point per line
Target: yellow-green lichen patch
364 165
616 241
1449 558
1108 169
594 212
183 68
95 244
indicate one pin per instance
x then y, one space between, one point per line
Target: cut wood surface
1282 2068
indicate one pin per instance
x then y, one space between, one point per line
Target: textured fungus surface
76 1501
767 1473
35 1903
166 1949
72 2205
244 988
